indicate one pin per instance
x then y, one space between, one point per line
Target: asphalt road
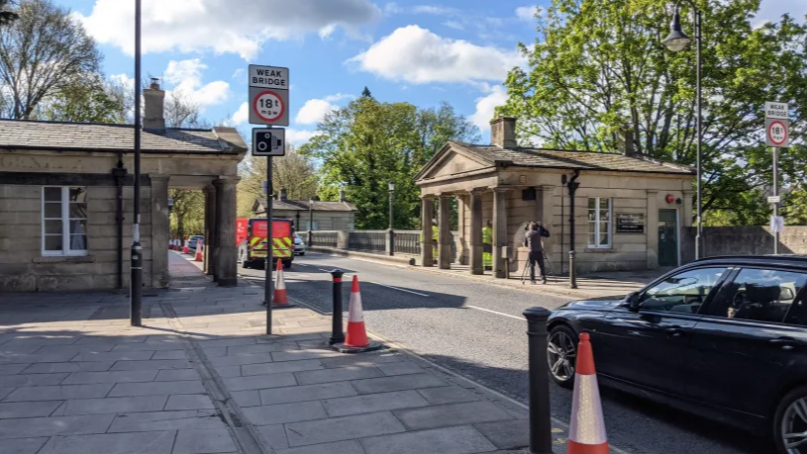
477 330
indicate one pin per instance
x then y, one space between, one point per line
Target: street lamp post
391 192
391 233
311 222
677 41
136 282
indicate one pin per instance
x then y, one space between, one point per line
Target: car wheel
561 354
790 423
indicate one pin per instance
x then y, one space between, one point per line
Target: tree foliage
368 144
93 100
42 53
7 15
188 214
599 65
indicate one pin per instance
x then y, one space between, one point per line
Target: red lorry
251 236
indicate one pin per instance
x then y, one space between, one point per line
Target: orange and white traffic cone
280 299
186 248
587 428
199 248
356 340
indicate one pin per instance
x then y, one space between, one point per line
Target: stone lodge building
339 215
629 210
66 200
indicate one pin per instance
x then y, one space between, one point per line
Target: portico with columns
622 206
89 170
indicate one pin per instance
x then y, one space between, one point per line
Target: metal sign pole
267 288
136 282
776 193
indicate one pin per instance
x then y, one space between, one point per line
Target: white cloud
314 110
241 116
772 10
215 25
486 105
186 77
300 136
124 80
238 73
326 31
416 55
454 24
526 13
394 8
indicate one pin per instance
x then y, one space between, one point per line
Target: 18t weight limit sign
777 133
269 107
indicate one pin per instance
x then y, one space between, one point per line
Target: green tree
44 52
599 65
293 172
368 144
91 101
188 214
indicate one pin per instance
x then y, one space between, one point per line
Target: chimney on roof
342 197
626 144
283 195
154 112
503 132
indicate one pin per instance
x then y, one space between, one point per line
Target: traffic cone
587 428
200 244
280 299
186 248
356 340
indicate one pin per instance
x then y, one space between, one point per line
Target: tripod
547 268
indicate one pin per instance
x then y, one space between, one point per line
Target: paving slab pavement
201 377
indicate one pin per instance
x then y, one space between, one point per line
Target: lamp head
677 40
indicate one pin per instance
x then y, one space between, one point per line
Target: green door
668 238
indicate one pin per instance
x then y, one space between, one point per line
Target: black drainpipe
119 173
572 185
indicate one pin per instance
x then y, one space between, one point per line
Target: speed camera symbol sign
268 142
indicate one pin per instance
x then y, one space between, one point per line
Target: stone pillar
226 250
444 246
689 208
210 230
160 223
427 213
462 212
499 231
476 233
548 218
651 229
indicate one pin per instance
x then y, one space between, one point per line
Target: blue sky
457 51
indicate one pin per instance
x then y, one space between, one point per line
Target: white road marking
301 264
497 313
400 289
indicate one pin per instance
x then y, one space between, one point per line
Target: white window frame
595 224
65 218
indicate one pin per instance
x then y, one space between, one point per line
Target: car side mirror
633 301
786 294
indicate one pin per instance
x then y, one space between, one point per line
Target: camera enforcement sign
268 142
268 95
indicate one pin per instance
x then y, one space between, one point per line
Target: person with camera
532 240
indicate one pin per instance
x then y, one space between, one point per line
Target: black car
723 337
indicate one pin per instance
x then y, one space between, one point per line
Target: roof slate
93 137
581 160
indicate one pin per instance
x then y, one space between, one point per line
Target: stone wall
23 268
753 240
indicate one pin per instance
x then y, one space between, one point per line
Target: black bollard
337 334
540 422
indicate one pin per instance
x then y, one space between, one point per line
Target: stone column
427 212
444 246
160 223
226 250
462 211
499 231
689 209
651 229
476 233
210 230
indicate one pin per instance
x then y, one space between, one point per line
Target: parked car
723 337
193 240
299 245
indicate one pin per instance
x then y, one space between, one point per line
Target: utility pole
136 292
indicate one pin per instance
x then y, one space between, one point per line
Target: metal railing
323 238
368 241
407 242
